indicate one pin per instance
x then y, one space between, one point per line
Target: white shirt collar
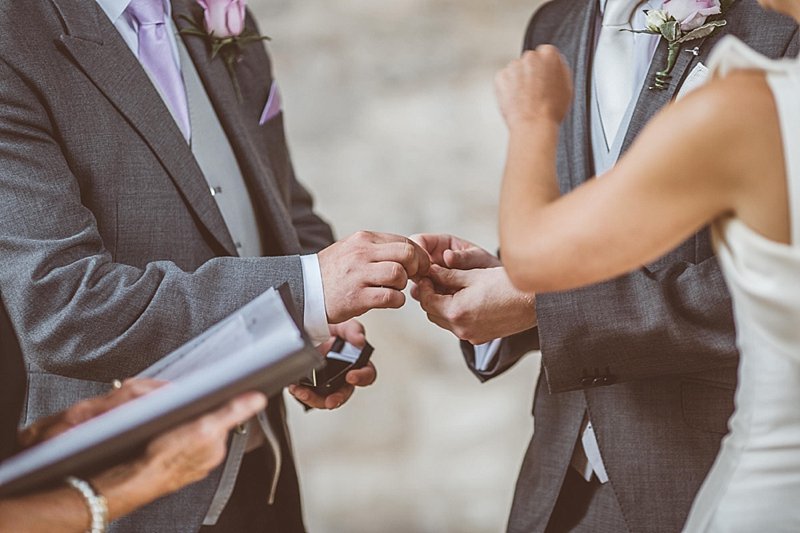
639 5
115 8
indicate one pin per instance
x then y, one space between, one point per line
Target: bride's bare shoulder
738 102
727 131
728 124
741 130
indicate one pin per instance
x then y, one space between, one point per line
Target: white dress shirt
315 316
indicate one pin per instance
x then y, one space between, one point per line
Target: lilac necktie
155 55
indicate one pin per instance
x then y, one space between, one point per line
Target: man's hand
452 252
49 427
368 271
476 305
353 332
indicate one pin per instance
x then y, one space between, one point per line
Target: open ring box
341 359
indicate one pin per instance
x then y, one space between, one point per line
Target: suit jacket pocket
277 152
684 254
707 405
158 226
49 394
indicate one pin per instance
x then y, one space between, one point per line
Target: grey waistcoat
216 159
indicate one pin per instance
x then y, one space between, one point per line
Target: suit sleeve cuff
315 316
485 354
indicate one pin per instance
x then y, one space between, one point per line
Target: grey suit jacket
650 355
112 248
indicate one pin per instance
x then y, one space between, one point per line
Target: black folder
261 347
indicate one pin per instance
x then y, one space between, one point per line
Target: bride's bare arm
696 161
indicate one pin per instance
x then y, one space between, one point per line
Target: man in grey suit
147 192
641 369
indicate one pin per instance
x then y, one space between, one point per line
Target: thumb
414 288
470 258
450 279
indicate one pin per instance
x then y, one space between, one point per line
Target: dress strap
783 76
785 87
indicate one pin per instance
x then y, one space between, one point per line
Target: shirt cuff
315 316
486 353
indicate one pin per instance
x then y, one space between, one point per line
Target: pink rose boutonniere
223 26
223 18
682 21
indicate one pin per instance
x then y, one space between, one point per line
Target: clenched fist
535 88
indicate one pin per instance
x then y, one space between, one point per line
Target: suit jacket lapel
653 100
772 42
240 132
576 131
96 46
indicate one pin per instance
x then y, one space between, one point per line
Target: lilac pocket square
273 106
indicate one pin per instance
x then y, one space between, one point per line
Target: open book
260 347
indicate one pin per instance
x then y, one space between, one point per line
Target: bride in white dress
729 153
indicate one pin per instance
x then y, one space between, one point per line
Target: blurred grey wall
393 125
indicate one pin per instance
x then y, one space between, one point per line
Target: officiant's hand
368 271
49 427
353 332
177 458
170 461
191 451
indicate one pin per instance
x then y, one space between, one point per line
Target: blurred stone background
393 125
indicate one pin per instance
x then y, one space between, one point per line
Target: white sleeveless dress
754 485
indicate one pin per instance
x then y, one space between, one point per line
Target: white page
257 336
265 316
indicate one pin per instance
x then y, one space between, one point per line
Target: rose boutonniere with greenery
223 26
680 22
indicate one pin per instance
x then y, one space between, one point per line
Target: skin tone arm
176 459
716 152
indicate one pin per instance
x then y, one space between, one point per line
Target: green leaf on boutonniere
193 31
229 49
671 30
703 31
218 45
639 31
663 23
